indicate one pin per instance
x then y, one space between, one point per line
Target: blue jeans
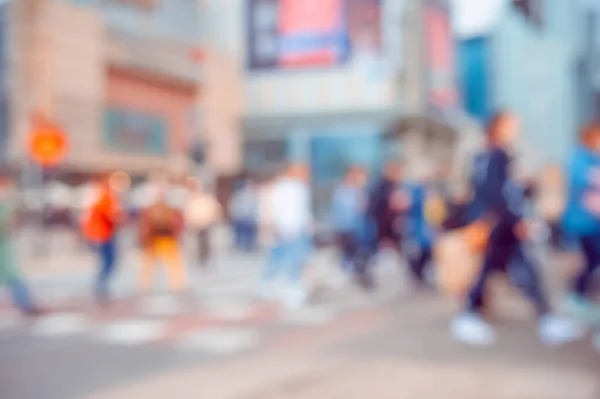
21 295
245 235
287 259
107 251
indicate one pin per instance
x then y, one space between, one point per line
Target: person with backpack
161 226
202 214
581 220
100 227
498 203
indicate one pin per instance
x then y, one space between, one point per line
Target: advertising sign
137 132
295 34
440 55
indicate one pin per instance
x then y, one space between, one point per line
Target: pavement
221 340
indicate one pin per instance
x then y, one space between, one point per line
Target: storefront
328 144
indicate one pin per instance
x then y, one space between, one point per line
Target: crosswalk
223 314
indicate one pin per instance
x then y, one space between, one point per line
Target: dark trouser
21 295
204 249
383 234
348 245
418 261
506 253
107 252
583 283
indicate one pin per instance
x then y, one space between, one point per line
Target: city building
4 88
537 60
325 91
121 78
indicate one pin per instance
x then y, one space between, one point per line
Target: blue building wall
534 77
532 72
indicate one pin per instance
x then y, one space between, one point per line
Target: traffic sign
48 144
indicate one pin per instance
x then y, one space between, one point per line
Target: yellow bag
458 258
435 210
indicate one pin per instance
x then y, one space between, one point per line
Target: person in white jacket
291 222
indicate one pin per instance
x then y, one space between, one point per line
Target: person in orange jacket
100 225
161 226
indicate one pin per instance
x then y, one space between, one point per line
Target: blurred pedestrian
417 231
265 213
161 225
348 209
582 221
9 273
386 203
498 203
100 226
243 210
292 227
202 213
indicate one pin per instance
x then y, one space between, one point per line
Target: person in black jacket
385 206
499 201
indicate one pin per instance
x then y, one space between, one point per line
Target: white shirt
291 210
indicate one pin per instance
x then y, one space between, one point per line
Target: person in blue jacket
417 232
348 209
581 220
499 201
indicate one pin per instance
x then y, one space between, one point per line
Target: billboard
441 78
296 34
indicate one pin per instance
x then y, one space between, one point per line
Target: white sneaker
472 329
556 330
294 296
268 290
596 341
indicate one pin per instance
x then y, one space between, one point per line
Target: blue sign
474 64
135 132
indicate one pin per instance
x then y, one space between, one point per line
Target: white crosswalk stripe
131 332
60 325
162 305
222 341
310 316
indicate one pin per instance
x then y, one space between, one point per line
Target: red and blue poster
440 55
311 33
295 34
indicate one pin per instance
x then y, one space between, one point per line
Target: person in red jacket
99 227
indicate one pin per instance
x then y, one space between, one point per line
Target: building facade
535 60
116 76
